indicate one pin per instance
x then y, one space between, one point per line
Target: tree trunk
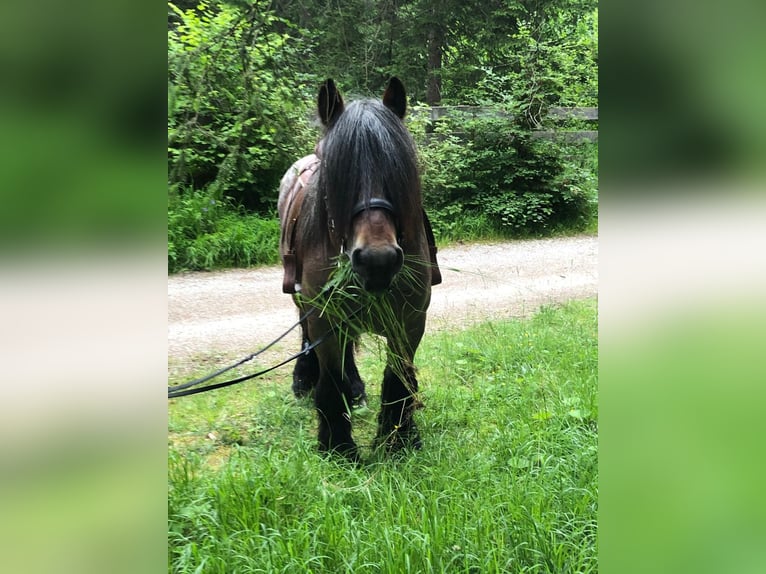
435 50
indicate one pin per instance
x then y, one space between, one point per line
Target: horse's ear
329 103
395 98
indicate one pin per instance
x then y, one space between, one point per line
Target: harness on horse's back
292 266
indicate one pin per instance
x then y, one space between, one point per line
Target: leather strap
374 203
436 274
290 262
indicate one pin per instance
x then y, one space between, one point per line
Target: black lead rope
250 357
185 389
180 392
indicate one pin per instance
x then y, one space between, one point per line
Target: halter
380 203
364 205
374 203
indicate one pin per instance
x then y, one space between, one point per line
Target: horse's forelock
368 153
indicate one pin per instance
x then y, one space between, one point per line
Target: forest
242 83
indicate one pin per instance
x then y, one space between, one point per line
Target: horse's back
293 182
292 190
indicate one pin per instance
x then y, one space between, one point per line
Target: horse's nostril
399 259
358 259
377 266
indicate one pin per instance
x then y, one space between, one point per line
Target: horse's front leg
396 427
398 400
333 397
306 371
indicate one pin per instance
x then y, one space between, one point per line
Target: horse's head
369 180
376 256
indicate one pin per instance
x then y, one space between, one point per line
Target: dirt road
216 318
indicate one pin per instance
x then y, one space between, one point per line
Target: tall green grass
207 233
506 481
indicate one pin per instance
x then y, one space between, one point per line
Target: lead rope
187 392
176 390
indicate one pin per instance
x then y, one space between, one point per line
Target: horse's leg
333 398
358 393
306 370
306 373
396 427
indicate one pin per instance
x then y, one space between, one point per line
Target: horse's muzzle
377 266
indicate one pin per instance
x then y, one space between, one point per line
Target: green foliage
548 57
528 54
206 233
507 480
492 173
234 123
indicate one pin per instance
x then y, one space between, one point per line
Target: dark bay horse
357 200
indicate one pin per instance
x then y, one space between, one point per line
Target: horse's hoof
359 402
399 440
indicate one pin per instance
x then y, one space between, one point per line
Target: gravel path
216 318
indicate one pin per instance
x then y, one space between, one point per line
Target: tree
234 124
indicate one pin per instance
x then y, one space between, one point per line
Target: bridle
360 207
374 203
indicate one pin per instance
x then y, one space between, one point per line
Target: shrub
237 105
205 233
491 170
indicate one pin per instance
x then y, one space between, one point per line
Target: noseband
374 203
364 205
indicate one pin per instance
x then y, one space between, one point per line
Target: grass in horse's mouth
354 311
343 301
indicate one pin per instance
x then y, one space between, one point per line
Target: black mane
368 153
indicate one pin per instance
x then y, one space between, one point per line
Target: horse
357 199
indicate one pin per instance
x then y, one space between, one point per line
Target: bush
205 233
497 176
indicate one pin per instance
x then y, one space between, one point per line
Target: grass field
506 480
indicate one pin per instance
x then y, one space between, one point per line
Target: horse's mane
368 153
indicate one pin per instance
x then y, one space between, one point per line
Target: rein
187 392
186 389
